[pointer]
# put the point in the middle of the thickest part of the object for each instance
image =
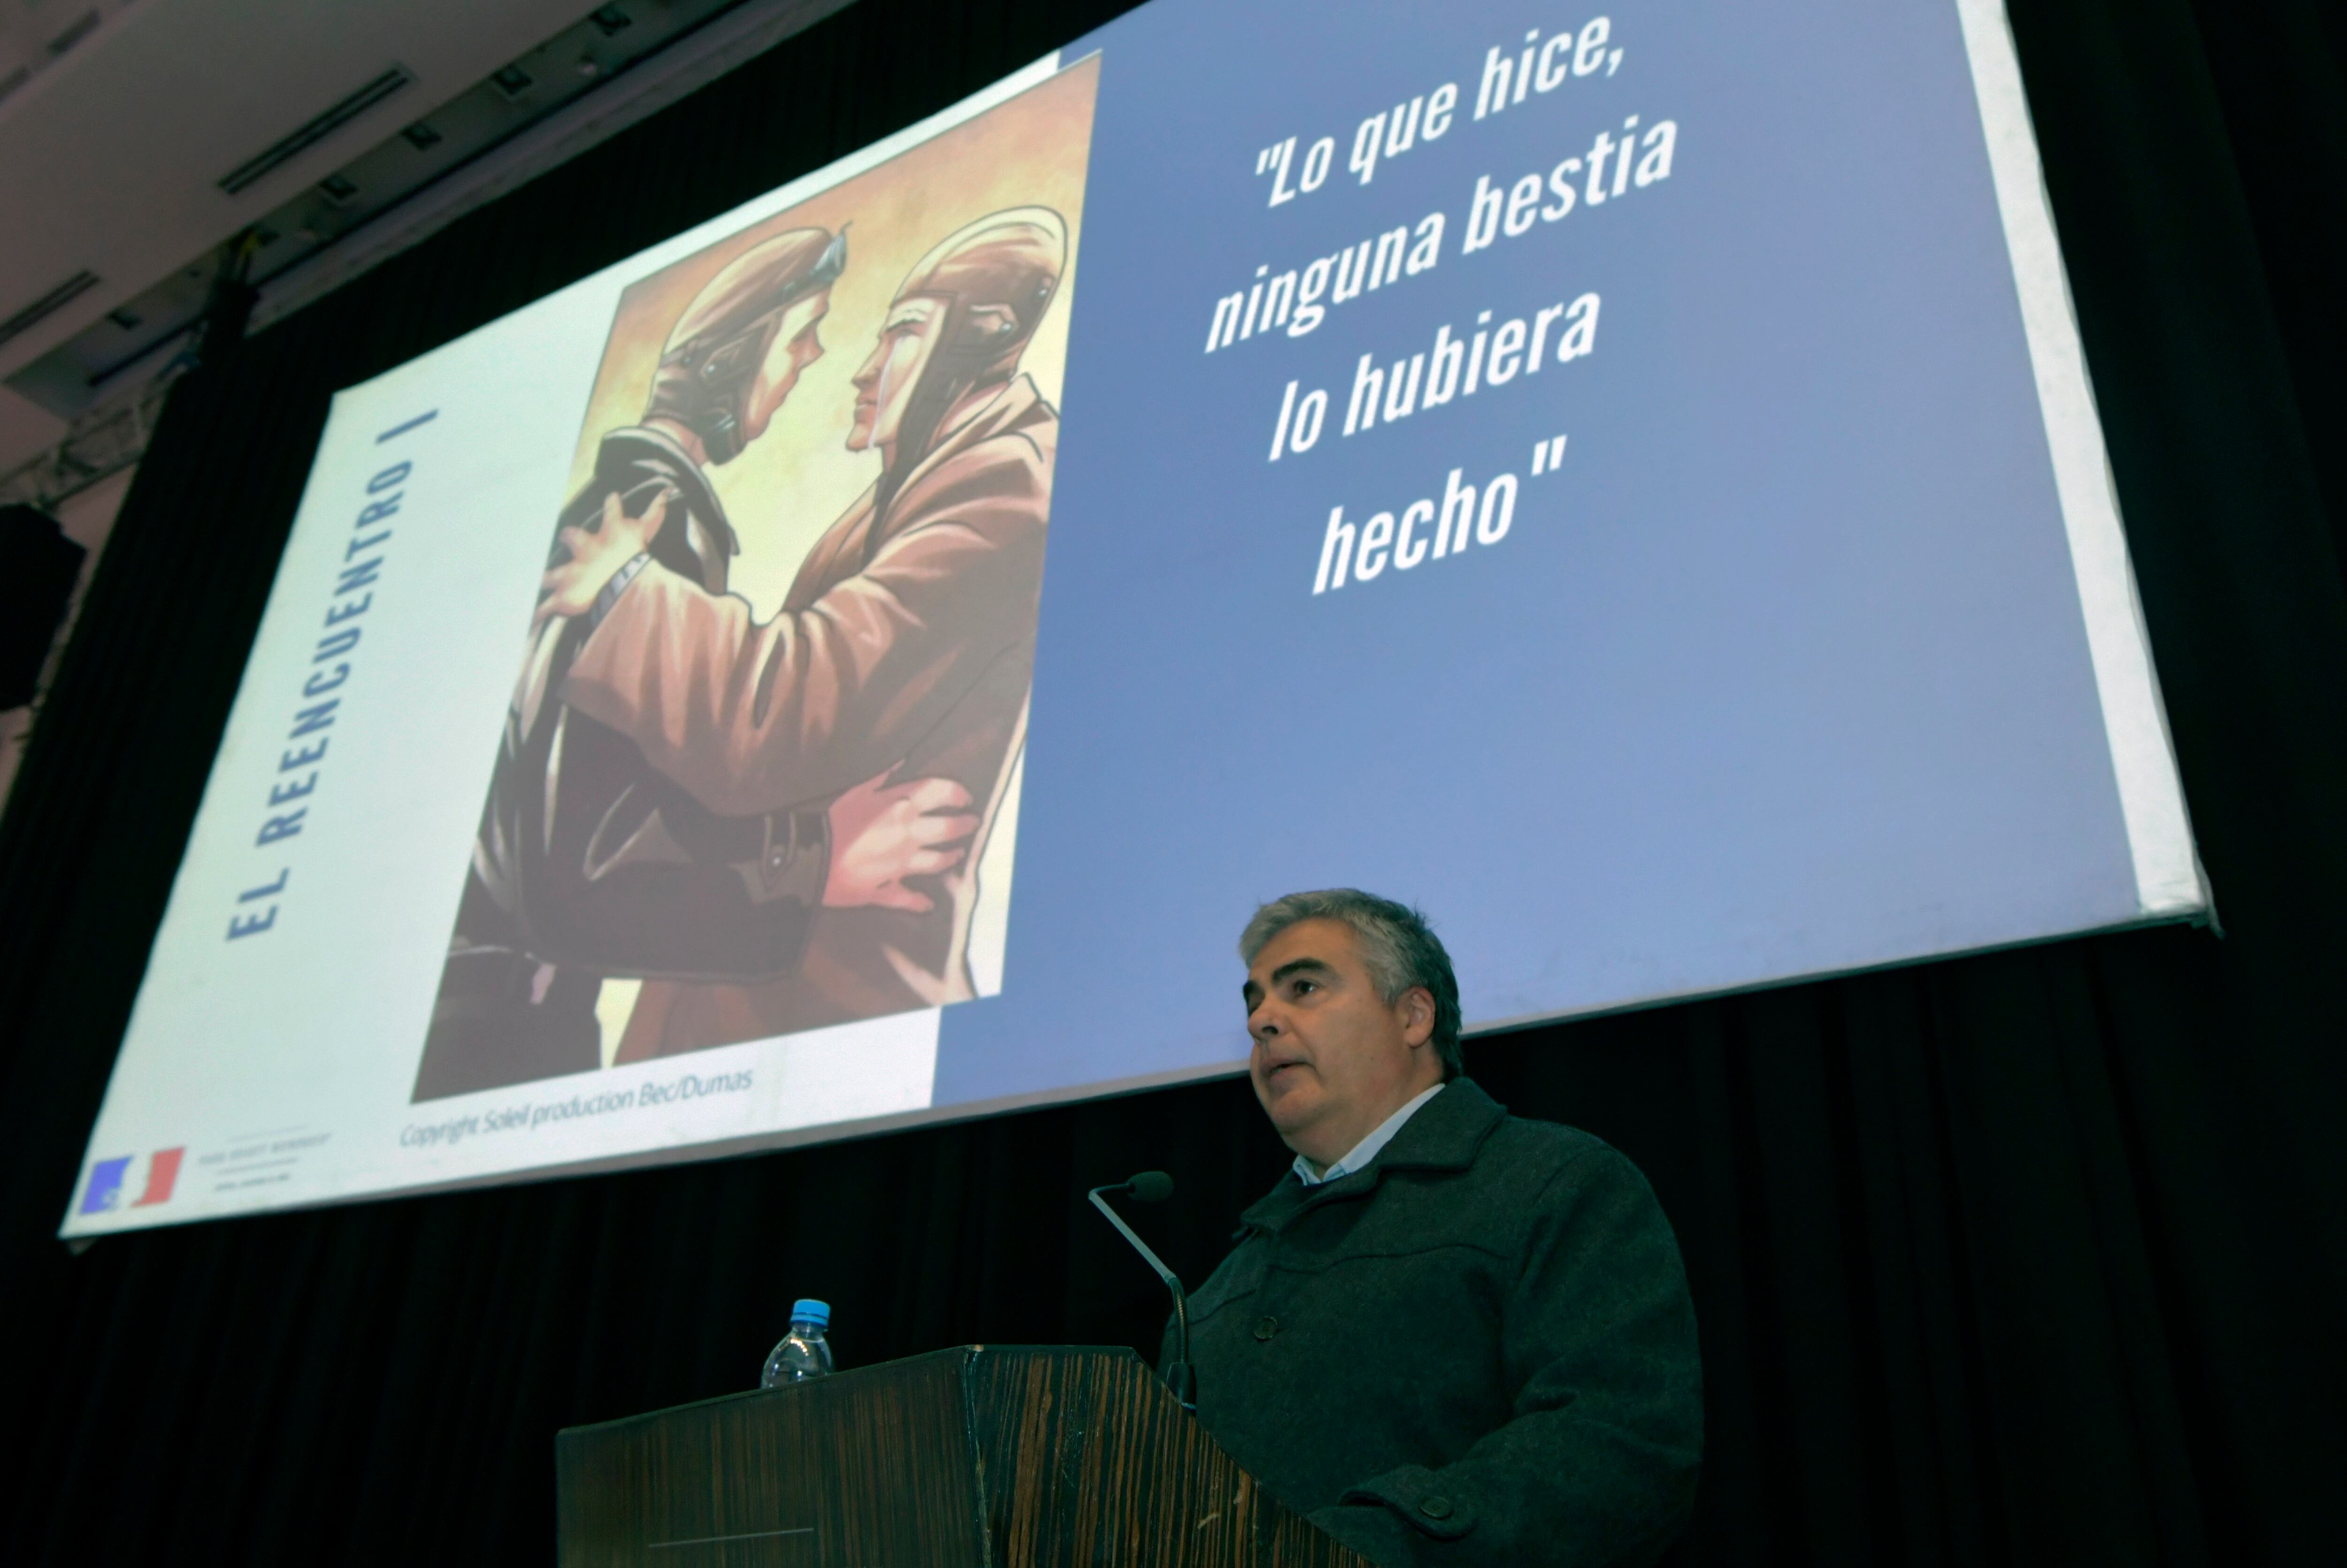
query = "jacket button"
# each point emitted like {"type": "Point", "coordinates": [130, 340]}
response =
{"type": "Point", "coordinates": [1264, 1328]}
{"type": "Point", "coordinates": [1436, 1508]}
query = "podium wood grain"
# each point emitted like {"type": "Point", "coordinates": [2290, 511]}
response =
{"type": "Point", "coordinates": [1004, 1457]}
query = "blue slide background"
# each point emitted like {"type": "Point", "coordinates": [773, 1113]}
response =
{"type": "Point", "coordinates": [1784, 672]}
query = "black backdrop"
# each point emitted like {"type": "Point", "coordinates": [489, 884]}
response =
{"type": "Point", "coordinates": [2031, 1257]}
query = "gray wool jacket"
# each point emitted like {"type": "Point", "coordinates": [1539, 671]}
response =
{"type": "Point", "coordinates": [1477, 1350]}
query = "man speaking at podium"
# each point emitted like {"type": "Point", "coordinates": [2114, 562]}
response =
{"type": "Point", "coordinates": [1451, 1336]}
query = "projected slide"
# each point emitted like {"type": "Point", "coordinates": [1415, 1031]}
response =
{"type": "Point", "coordinates": [1625, 480]}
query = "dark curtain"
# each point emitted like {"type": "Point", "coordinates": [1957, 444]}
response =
{"type": "Point", "coordinates": [2032, 1257]}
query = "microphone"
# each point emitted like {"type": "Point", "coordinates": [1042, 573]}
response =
{"type": "Point", "coordinates": [1155, 1187]}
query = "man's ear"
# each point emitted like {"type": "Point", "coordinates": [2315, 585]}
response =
{"type": "Point", "coordinates": [1416, 1009]}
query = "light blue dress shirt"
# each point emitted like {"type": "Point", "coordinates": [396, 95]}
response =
{"type": "Point", "coordinates": [1359, 1156]}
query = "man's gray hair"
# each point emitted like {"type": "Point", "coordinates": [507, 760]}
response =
{"type": "Point", "coordinates": [1400, 949]}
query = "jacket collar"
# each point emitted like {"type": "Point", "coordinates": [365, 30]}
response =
{"type": "Point", "coordinates": [860, 531]}
{"type": "Point", "coordinates": [984, 412]}
{"type": "Point", "coordinates": [1444, 1136]}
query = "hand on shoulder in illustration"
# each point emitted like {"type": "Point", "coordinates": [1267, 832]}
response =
{"type": "Point", "coordinates": [882, 834]}
{"type": "Point", "coordinates": [597, 558]}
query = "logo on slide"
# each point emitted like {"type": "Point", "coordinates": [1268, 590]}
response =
{"type": "Point", "coordinates": [108, 1178]}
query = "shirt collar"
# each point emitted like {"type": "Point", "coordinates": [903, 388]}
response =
{"type": "Point", "coordinates": [1446, 1135]}
{"type": "Point", "coordinates": [1359, 1156]}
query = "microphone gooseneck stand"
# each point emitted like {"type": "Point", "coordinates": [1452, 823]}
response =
{"type": "Point", "coordinates": [1155, 1187]}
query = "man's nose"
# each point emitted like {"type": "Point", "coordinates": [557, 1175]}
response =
{"type": "Point", "coordinates": [1262, 1022]}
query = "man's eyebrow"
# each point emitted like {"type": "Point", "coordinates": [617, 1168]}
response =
{"type": "Point", "coordinates": [1300, 967]}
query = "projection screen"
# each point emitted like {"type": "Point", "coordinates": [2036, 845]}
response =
{"type": "Point", "coordinates": [1626, 482]}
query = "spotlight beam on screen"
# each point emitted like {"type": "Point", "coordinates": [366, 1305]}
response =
{"type": "Point", "coordinates": [719, 707]}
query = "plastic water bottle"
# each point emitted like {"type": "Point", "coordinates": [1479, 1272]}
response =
{"type": "Point", "coordinates": [803, 1352]}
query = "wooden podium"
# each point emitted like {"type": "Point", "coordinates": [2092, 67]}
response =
{"type": "Point", "coordinates": [981, 1456]}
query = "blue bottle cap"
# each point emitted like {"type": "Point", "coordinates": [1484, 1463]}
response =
{"type": "Point", "coordinates": [815, 1312]}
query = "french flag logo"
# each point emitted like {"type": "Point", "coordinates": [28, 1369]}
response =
{"type": "Point", "coordinates": [109, 1178]}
